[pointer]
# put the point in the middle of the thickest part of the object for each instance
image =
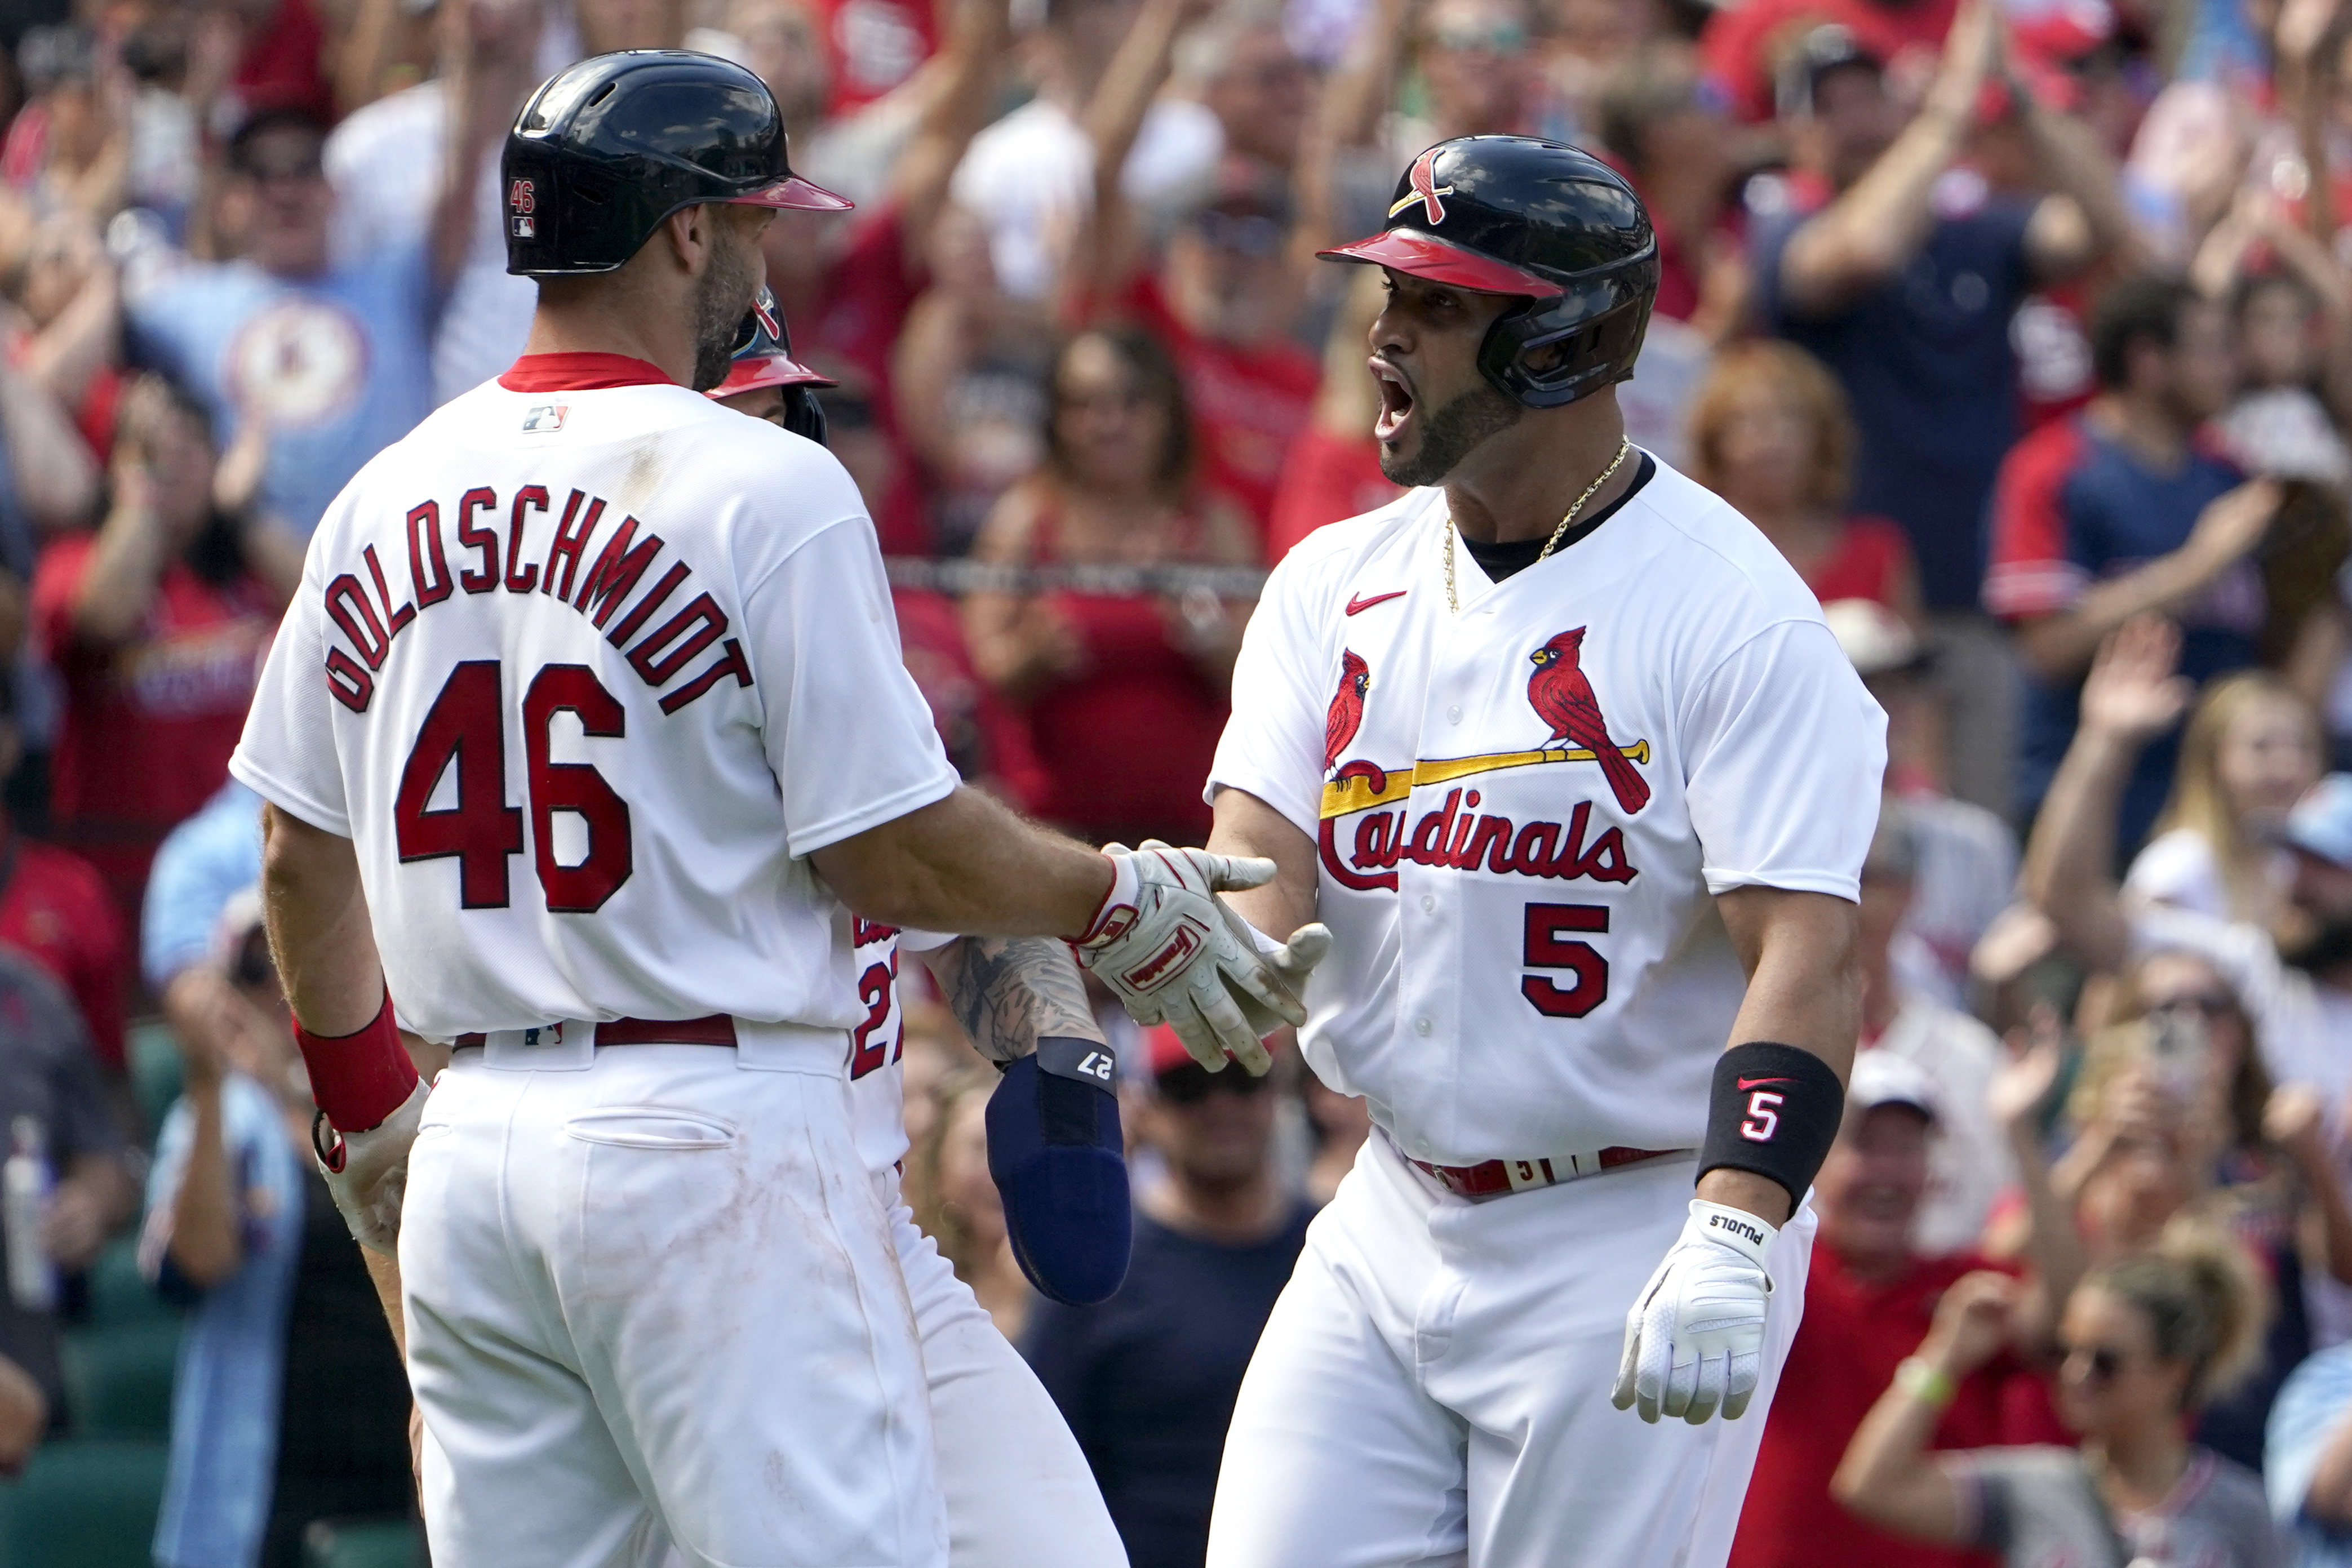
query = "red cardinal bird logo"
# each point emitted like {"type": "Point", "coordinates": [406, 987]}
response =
{"type": "Point", "coordinates": [1422, 176]}
{"type": "Point", "coordinates": [1563, 698]}
{"type": "Point", "coordinates": [1346, 710]}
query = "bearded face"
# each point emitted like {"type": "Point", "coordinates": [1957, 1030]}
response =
{"type": "Point", "coordinates": [1449, 435]}
{"type": "Point", "coordinates": [723, 294]}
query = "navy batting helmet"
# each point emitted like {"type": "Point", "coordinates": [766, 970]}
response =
{"type": "Point", "coordinates": [1514, 214]}
{"type": "Point", "coordinates": [605, 150]}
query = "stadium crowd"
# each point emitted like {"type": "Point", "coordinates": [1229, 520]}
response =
{"type": "Point", "coordinates": [2022, 328]}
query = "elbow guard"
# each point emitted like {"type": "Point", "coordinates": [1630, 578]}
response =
{"type": "Point", "coordinates": [1060, 1167]}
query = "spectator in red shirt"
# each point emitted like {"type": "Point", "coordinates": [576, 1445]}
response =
{"type": "Point", "coordinates": [55, 909]}
{"type": "Point", "coordinates": [1771, 434]}
{"type": "Point", "coordinates": [1125, 690]}
{"type": "Point", "coordinates": [1743, 46]}
{"type": "Point", "coordinates": [1226, 291]}
{"type": "Point", "coordinates": [155, 621]}
{"type": "Point", "coordinates": [1869, 1300]}
{"type": "Point", "coordinates": [1333, 469]}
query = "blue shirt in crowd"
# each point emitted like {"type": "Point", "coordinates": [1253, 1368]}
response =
{"type": "Point", "coordinates": [207, 861]}
{"type": "Point", "coordinates": [339, 364]}
{"type": "Point", "coordinates": [1926, 359]}
{"type": "Point", "coordinates": [2072, 506]}
{"type": "Point", "coordinates": [1148, 1379]}
{"type": "Point", "coordinates": [2316, 1400]}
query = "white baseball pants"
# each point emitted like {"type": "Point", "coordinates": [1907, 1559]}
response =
{"type": "Point", "coordinates": [655, 1301]}
{"type": "Point", "coordinates": [1433, 1387]}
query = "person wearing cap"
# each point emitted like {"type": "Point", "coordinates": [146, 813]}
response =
{"type": "Point", "coordinates": [1903, 282]}
{"type": "Point", "coordinates": [1221, 297]}
{"type": "Point", "coordinates": [2299, 999]}
{"type": "Point", "coordinates": [1147, 1379]}
{"type": "Point", "coordinates": [1970, 1163]}
{"type": "Point", "coordinates": [1965, 858]}
{"type": "Point", "coordinates": [1869, 1299]}
{"type": "Point", "coordinates": [331, 355]}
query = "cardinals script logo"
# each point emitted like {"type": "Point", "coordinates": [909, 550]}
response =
{"type": "Point", "coordinates": [1372, 805]}
{"type": "Point", "coordinates": [1423, 177]}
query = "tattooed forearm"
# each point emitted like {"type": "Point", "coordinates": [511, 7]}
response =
{"type": "Point", "coordinates": [1009, 991]}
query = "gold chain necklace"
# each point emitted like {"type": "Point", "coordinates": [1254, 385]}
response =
{"type": "Point", "coordinates": [1625, 447]}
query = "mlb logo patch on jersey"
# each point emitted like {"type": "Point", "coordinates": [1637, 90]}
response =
{"type": "Point", "coordinates": [544, 419]}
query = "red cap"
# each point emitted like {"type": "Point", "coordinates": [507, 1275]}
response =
{"type": "Point", "coordinates": [1164, 1051]}
{"type": "Point", "coordinates": [769, 370]}
{"type": "Point", "coordinates": [1426, 256]}
{"type": "Point", "coordinates": [795, 194]}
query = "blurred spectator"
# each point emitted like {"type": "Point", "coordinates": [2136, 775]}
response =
{"type": "Point", "coordinates": [871, 47]}
{"type": "Point", "coordinates": [1241, 64]}
{"type": "Point", "coordinates": [955, 1202]}
{"type": "Point", "coordinates": [1673, 141]}
{"type": "Point", "coordinates": [155, 623]}
{"type": "Point", "coordinates": [49, 1081]}
{"type": "Point", "coordinates": [2120, 510]}
{"type": "Point", "coordinates": [1333, 467]}
{"type": "Point", "coordinates": [1968, 1164]}
{"type": "Point", "coordinates": [1746, 46]}
{"type": "Point", "coordinates": [203, 864]}
{"type": "Point", "coordinates": [1965, 858]}
{"type": "Point", "coordinates": [399, 169]}
{"type": "Point", "coordinates": [1029, 175]}
{"type": "Point", "coordinates": [1870, 1294]}
{"type": "Point", "coordinates": [1900, 272]}
{"type": "Point", "coordinates": [1772, 435]}
{"type": "Point", "coordinates": [2251, 748]}
{"type": "Point", "coordinates": [70, 339]}
{"type": "Point", "coordinates": [2148, 1340]}
{"type": "Point", "coordinates": [55, 910]}
{"type": "Point", "coordinates": [68, 150]}
{"type": "Point", "coordinates": [1126, 692]}
{"type": "Point", "coordinates": [328, 357]}
{"type": "Point", "coordinates": [2307, 1462]}
{"type": "Point", "coordinates": [2293, 331]}
{"type": "Point", "coordinates": [1148, 1379]}
{"type": "Point", "coordinates": [2298, 1000]}
{"type": "Point", "coordinates": [23, 1416]}
{"type": "Point", "coordinates": [280, 53]}
{"type": "Point", "coordinates": [1223, 293]}
{"type": "Point", "coordinates": [290, 1404]}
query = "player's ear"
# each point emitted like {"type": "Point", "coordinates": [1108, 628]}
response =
{"type": "Point", "coordinates": [690, 232]}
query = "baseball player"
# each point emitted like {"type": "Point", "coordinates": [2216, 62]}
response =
{"type": "Point", "coordinates": [588, 708]}
{"type": "Point", "coordinates": [1017, 1490]}
{"type": "Point", "coordinates": [1562, 751]}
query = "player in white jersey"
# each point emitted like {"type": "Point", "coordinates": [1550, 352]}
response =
{"type": "Point", "coordinates": [1017, 1488]}
{"type": "Point", "coordinates": [1561, 750]}
{"type": "Point", "coordinates": [589, 705]}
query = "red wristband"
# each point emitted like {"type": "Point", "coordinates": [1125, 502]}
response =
{"type": "Point", "coordinates": [361, 1078]}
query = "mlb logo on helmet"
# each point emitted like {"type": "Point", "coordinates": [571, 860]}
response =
{"type": "Point", "coordinates": [522, 202]}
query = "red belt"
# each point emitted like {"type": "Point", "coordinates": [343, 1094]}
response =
{"type": "Point", "coordinates": [1495, 1177]}
{"type": "Point", "coordinates": [715, 1029]}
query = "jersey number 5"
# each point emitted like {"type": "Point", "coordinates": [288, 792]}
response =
{"type": "Point", "coordinates": [465, 733]}
{"type": "Point", "coordinates": [1546, 948]}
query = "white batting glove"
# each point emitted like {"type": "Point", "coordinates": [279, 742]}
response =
{"type": "Point", "coordinates": [1162, 942]}
{"type": "Point", "coordinates": [368, 1172]}
{"type": "Point", "coordinates": [1695, 1340]}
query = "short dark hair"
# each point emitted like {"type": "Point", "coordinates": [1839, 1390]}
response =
{"type": "Point", "coordinates": [1155, 378]}
{"type": "Point", "coordinates": [2135, 311]}
{"type": "Point", "coordinates": [262, 121]}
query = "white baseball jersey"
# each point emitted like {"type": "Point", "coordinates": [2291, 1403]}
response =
{"type": "Point", "coordinates": [1526, 958]}
{"type": "Point", "coordinates": [586, 675]}
{"type": "Point", "coordinates": [877, 1085]}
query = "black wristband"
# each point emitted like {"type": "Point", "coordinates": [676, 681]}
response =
{"type": "Point", "coordinates": [1775, 1112]}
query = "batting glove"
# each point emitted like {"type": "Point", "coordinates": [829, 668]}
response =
{"type": "Point", "coordinates": [1695, 1340]}
{"type": "Point", "coordinates": [367, 1172]}
{"type": "Point", "coordinates": [1173, 954]}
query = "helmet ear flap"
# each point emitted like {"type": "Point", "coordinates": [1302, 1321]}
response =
{"type": "Point", "coordinates": [1549, 353]}
{"type": "Point", "coordinates": [804, 414]}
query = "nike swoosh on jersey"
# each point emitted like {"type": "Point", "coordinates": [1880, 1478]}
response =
{"type": "Point", "coordinates": [1747, 1083]}
{"type": "Point", "coordinates": [1360, 603]}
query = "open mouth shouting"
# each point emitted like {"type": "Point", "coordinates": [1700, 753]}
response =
{"type": "Point", "coordinates": [1396, 401]}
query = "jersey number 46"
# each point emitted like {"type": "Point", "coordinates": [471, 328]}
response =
{"type": "Point", "coordinates": [465, 732]}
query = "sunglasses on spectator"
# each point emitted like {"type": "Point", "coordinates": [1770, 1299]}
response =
{"type": "Point", "coordinates": [2206, 1004]}
{"type": "Point", "coordinates": [2101, 1361]}
{"type": "Point", "coordinates": [1243, 233]}
{"type": "Point", "coordinates": [1503, 38]}
{"type": "Point", "coordinates": [1191, 1083]}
